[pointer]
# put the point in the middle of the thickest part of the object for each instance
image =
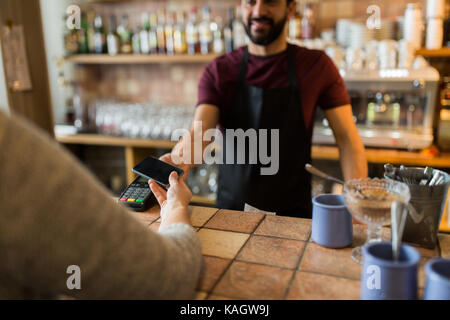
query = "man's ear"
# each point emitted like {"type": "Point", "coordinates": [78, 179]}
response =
{"type": "Point", "coordinates": [292, 9]}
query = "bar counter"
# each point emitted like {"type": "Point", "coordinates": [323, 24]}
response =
{"type": "Point", "coordinates": [256, 256]}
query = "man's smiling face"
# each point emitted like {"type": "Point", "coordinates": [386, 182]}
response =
{"type": "Point", "coordinates": [264, 20]}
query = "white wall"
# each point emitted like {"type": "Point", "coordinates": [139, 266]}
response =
{"type": "Point", "coordinates": [4, 106]}
{"type": "Point", "coordinates": [53, 12]}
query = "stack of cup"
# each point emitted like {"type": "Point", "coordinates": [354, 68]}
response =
{"type": "Point", "coordinates": [435, 24]}
{"type": "Point", "coordinates": [387, 54]}
{"type": "Point", "coordinates": [413, 25]}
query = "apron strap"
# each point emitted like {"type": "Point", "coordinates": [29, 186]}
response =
{"type": "Point", "coordinates": [243, 68]}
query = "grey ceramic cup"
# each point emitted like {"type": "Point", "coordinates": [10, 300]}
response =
{"type": "Point", "coordinates": [438, 279]}
{"type": "Point", "coordinates": [332, 225]}
{"type": "Point", "coordinates": [382, 278]}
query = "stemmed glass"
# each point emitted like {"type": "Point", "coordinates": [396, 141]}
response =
{"type": "Point", "coordinates": [369, 201]}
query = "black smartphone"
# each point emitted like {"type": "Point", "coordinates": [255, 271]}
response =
{"type": "Point", "coordinates": [155, 169]}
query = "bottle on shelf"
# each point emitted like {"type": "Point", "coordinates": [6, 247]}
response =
{"type": "Point", "coordinates": [161, 31]}
{"type": "Point", "coordinates": [228, 31]}
{"type": "Point", "coordinates": [168, 33]}
{"type": "Point", "coordinates": [70, 40]}
{"type": "Point", "coordinates": [90, 32]}
{"type": "Point", "coordinates": [144, 34]}
{"type": "Point", "coordinates": [308, 22]}
{"type": "Point", "coordinates": [179, 35]}
{"type": "Point", "coordinates": [135, 40]}
{"type": "Point", "coordinates": [216, 28]}
{"type": "Point", "coordinates": [99, 36]}
{"type": "Point", "coordinates": [295, 26]}
{"type": "Point", "coordinates": [205, 32]}
{"type": "Point", "coordinates": [192, 37]}
{"type": "Point", "coordinates": [240, 38]}
{"type": "Point", "coordinates": [125, 35]}
{"type": "Point", "coordinates": [152, 34]}
{"type": "Point", "coordinates": [113, 39]}
{"type": "Point", "coordinates": [82, 35]}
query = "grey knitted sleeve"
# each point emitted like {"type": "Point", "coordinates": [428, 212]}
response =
{"type": "Point", "coordinates": [54, 214]}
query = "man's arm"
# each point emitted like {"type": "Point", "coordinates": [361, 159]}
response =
{"type": "Point", "coordinates": [208, 116]}
{"type": "Point", "coordinates": [351, 150]}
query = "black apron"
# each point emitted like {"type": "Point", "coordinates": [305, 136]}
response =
{"type": "Point", "coordinates": [288, 192]}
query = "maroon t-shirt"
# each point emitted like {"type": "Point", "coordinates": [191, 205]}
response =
{"type": "Point", "coordinates": [318, 78]}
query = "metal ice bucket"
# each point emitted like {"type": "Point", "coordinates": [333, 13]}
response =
{"type": "Point", "coordinates": [425, 207]}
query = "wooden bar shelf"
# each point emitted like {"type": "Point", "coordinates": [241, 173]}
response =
{"type": "Point", "coordinates": [379, 156]}
{"type": "Point", "coordinates": [443, 52]}
{"type": "Point", "coordinates": [139, 59]}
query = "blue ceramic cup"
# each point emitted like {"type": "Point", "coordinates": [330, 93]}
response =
{"type": "Point", "coordinates": [331, 222]}
{"type": "Point", "coordinates": [438, 279]}
{"type": "Point", "coordinates": [382, 278]}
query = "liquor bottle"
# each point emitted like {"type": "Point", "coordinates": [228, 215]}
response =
{"type": "Point", "coordinates": [179, 35]}
{"type": "Point", "coordinates": [161, 31]}
{"type": "Point", "coordinates": [216, 28]}
{"type": "Point", "coordinates": [136, 41]}
{"type": "Point", "coordinates": [239, 35]}
{"type": "Point", "coordinates": [144, 34]}
{"type": "Point", "coordinates": [91, 31]}
{"type": "Point", "coordinates": [99, 36]}
{"type": "Point", "coordinates": [168, 33]}
{"type": "Point", "coordinates": [82, 35]}
{"type": "Point", "coordinates": [295, 27]}
{"type": "Point", "coordinates": [113, 39]}
{"type": "Point", "coordinates": [192, 37]}
{"type": "Point", "coordinates": [205, 32]}
{"type": "Point", "coordinates": [70, 40]}
{"type": "Point", "coordinates": [125, 35]}
{"type": "Point", "coordinates": [152, 34]}
{"type": "Point", "coordinates": [228, 31]}
{"type": "Point", "coordinates": [308, 23]}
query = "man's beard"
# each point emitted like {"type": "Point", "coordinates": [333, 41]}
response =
{"type": "Point", "coordinates": [274, 33]}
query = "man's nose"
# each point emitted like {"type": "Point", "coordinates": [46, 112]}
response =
{"type": "Point", "coordinates": [259, 9]}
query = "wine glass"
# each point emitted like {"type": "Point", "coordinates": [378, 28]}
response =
{"type": "Point", "coordinates": [373, 206]}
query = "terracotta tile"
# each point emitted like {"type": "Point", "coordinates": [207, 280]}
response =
{"type": "Point", "coordinates": [272, 251]}
{"type": "Point", "coordinates": [200, 215]}
{"type": "Point", "coordinates": [235, 221]}
{"type": "Point", "coordinates": [251, 281]}
{"type": "Point", "coordinates": [312, 286]}
{"type": "Point", "coordinates": [335, 262]}
{"type": "Point", "coordinates": [200, 295]}
{"type": "Point", "coordinates": [212, 269]}
{"type": "Point", "coordinates": [222, 244]}
{"type": "Point", "coordinates": [145, 217]}
{"type": "Point", "coordinates": [444, 242]}
{"type": "Point", "coordinates": [285, 227]}
{"type": "Point", "coordinates": [155, 226]}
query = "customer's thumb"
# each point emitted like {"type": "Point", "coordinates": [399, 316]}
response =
{"type": "Point", "coordinates": [173, 178]}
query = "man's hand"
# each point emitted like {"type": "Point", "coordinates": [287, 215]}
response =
{"type": "Point", "coordinates": [174, 202]}
{"type": "Point", "coordinates": [185, 167]}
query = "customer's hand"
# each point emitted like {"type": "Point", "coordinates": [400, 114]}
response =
{"type": "Point", "coordinates": [174, 202]}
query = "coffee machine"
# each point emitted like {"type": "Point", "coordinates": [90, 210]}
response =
{"type": "Point", "coordinates": [392, 108]}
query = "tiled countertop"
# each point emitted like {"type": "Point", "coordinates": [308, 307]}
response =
{"type": "Point", "coordinates": [254, 256]}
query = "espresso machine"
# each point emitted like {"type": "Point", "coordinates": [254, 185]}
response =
{"type": "Point", "coordinates": [392, 108]}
